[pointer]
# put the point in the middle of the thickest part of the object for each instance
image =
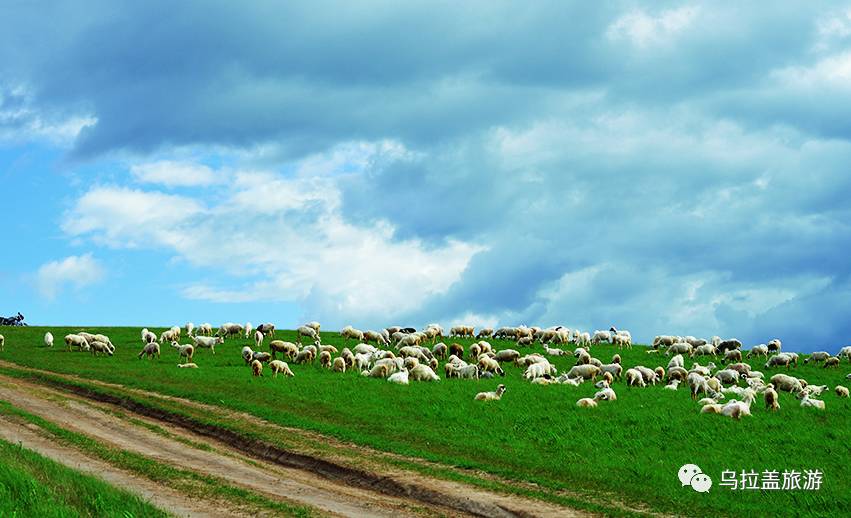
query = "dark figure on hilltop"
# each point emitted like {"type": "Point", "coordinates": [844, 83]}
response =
{"type": "Point", "coordinates": [17, 320]}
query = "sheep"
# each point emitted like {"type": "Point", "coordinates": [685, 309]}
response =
{"type": "Point", "coordinates": [608, 378]}
{"type": "Point", "coordinates": [695, 342]}
{"type": "Point", "coordinates": [554, 352]}
{"type": "Point", "coordinates": [205, 329]}
{"type": "Point", "coordinates": [539, 370]}
{"type": "Point", "coordinates": [806, 402]}
{"type": "Point", "coordinates": [485, 332]}
{"type": "Point", "coordinates": [249, 328]}
{"type": "Point", "coordinates": [725, 345]}
{"type": "Point", "coordinates": [733, 355]}
{"type": "Point", "coordinates": [679, 348]}
{"type": "Point", "coordinates": [308, 332]}
{"type": "Point", "coordinates": [184, 351]}
{"type": "Point", "coordinates": [817, 356]}
{"type": "Point", "coordinates": [786, 383]}
{"type": "Point", "coordinates": [583, 339]}
{"type": "Point", "coordinates": [664, 341]}
{"type": "Point", "coordinates": [601, 337]}
{"type": "Point", "coordinates": [771, 398]}
{"type": "Point", "coordinates": [411, 362]}
{"type": "Point", "coordinates": [774, 346]}
{"type": "Point", "coordinates": [267, 328]}
{"type": "Point", "coordinates": [350, 332]}
{"type": "Point", "coordinates": [247, 352]}
{"type": "Point", "coordinates": [491, 396]}
{"type": "Point", "coordinates": [622, 340]}
{"type": "Point", "coordinates": [48, 339]}
{"type": "Point", "coordinates": [325, 359]}
{"type": "Point", "coordinates": [728, 376]}
{"type": "Point", "coordinates": [72, 339]}
{"type": "Point", "coordinates": [711, 408]}
{"type": "Point", "coordinates": [256, 368]}
{"type": "Point", "coordinates": [841, 391]}
{"type": "Point", "coordinates": [305, 356]}
{"type": "Point", "coordinates": [150, 350]}
{"type": "Point", "coordinates": [758, 350]}
{"type": "Point", "coordinates": [736, 409]}
{"type": "Point", "coordinates": [440, 350]}
{"type": "Point", "coordinates": [278, 366]}
{"type": "Point", "coordinates": [704, 350]}
{"type": "Point", "coordinates": [375, 336]}
{"type": "Point", "coordinates": [607, 394]}
{"type": "Point", "coordinates": [586, 403]}
{"type": "Point", "coordinates": [672, 385]}
{"type": "Point", "coordinates": [845, 352]}
{"type": "Point", "coordinates": [779, 359]}
{"type": "Point", "coordinates": [467, 371]}
{"type": "Point", "coordinates": [814, 390]}
{"type": "Point", "coordinates": [207, 342]}
{"type": "Point", "coordinates": [487, 364]}
{"type": "Point", "coordinates": [584, 371]}
{"type": "Point", "coordinates": [377, 371]}
{"type": "Point", "coordinates": [288, 349]}
{"type": "Point", "coordinates": [400, 378]}
{"type": "Point", "coordinates": [523, 341]}
{"type": "Point", "coordinates": [424, 373]}
{"type": "Point", "coordinates": [170, 335]}
{"type": "Point", "coordinates": [649, 376]}
{"type": "Point", "coordinates": [699, 384]}
{"type": "Point", "coordinates": [676, 361]}
{"type": "Point", "coordinates": [833, 361]}
{"type": "Point", "coordinates": [148, 337]}
{"type": "Point", "coordinates": [741, 368]}
{"type": "Point", "coordinates": [456, 349]}
{"type": "Point", "coordinates": [100, 347]}
{"type": "Point", "coordinates": [634, 378]}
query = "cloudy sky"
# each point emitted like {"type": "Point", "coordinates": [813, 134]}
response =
{"type": "Point", "coordinates": [664, 167]}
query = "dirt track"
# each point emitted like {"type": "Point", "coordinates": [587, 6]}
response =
{"type": "Point", "coordinates": [302, 486]}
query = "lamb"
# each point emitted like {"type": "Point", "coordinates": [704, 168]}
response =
{"type": "Point", "coordinates": [758, 350]}
{"type": "Point", "coordinates": [256, 368]}
{"type": "Point", "coordinates": [308, 332]}
{"type": "Point", "coordinates": [771, 398]}
{"type": "Point", "coordinates": [148, 337]}
{"type": "Point", "coordinates": [207, 342]}
{"type": "Point", "coordinates": [278, 366]}
{"type": "Point", "coordinates": [833, 361]}
{"type": "Point", "coordinates": [487, 364]}
{"type": "Point", "coordinates": [184, 351]}
{"type": "Point", "coordinates": [72, 339]}
{"type": "Point", "coordinates": [786, 383]}
{"type": "Point", "coordinates": [806, 402]}
{"type": "Point", "coordinates": [424, 373]}
{"type": "Point", "coordinates": [586, 403]}
{"type": "Point", "coordinates": [150, 350]}
{"type": "Point", "coordinates": [491, 396]}
{"type": "Point", "coordinates": [187, 365]}
{"type": "Point", "coordinates": [288, 349]}
{"type": "Point", "coordinates": [584, 371]}
{"type": "Point", "coordinates": [400, 378]}
{"type": "Point", "coordinates": [841, 391]}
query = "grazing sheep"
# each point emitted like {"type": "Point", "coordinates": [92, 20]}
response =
{"type": "Point", "coordinates": [622, 340]}
{"type": "Point", "coordinates": [207, 342]}
{"type": "Point", "coordinates": [487, 364]}
{"type": "Point", "coordinates": [267, 328]}
{"type": "Point", "coordinates": [440, 350]}
{"type": "Point", "coordinates": [679, 348]}
{"type": "Point", "coordinates": [350, 332]}
{"type": "Point", "coordinates": [325, 359]}
{"type": "Point", "coordinates": [733, 355]}
{"type": "Point", "coordinates": [586, 403]}
{"type": "Point", "coordinates": [339, 364]}
{"type": "Point", "coordinates": [456, 349]}
{"type": "Point", "coordinates": [758, 350]}
{"type": "Point", "coordinates": [584, 371]}
{"type": "Point", "coordinates": [539, 370]}
{"type": "Point", "coordinates": [485, 332]}
{"type": "Point", "coordinates": [278, 366]}
{"type": "Point", "coordinates": [711, 408]}
{"type": "Point", "coordinates": [184, 351]}
{"type": "Point", "coordinates": [841, 391]}
{"type": "Point", "coordinates": [664, 341]}
{"type": "Point", "coordinates": [601, 337]}
{"type": "Point", "coordinates": [170, 335]}
{"type": "Point", "coordinates": [616, 358]}
{"type": "Point", "coordinates": [190, 329]}
{"type": "Point", "coordinates": [305, 356]}
{"type": "Point", "coordinates": [205, 329]}
{"type": "Point", "coordinates": [257, 368]}
{"type": "Point", "coordinates": [672, 385]}
{"type": "Point", "coordinates": [772, 400]}
{"type": "Point", "coordinates": [467, 371]}
{"type": "Point", "coordinates": [612, 369]}
{"type": "Point", "coordinates": [248, 329]}
{"type": "Point", "coordinates": [806, 402]}
{"type": "Point", "coordinates": [48, 339]}
{"type": "Point", "coordinates": [786, 383]}
{"type": "Point", "coordinates": [608, 378]}
{"type": "Point", "coordinates": [698, 384]}
{"type": "Point", "coordinates": [704, 350]}
{"type": "Point", "coordinates": [833, 361]}
{"type": "Point", "coordinates": [845, 352]}
{"type": "Point", "coordinates": [725, 345]}
{"type": "Point", "coordinates": [308, 332]}
{"type": "Point", "coordinates": [378, 371]}
{"type": "Point", "coordinates": [728, 376]}
{"type": "Point", "coordinates": [424, 372]}
{"type": "Point", "coordinates": [741, 368]}
{"type": "Point", "coordinates": [676, 361]}
{"type": "Point", "coordinates": [150, 350]}
{"type": "Point", "coordinates": [374, 336]}
{"type": "Point", "coordinates": [491, 396]}
{"type": "Point", "coordinates": [778, 360]}
{"type": "Point", "coordinates": [70, 340]}
{"type": "Point", "coordinates": [288, 349]}
{"type": "Point", "coordinates": [258, 339]}
{"type": "Point", "coordinates": [100, 347]}
{"type": "Point", "coordinates": [400, 378]}
{"type": "Point", "coordinates": [818, 356]}
{"type": "Point", "coordinates": [736, 409]}
{"type": "Point", "coordinates": [507, 355]}
{"type": "Point", "coordinates": [148, 337]}
{"type": "Point", "coordinates": [774, 346]}
{"type": "Point", "coordinates": [247, 352]}
{"type": "Point", "coordinates": [634, 378]}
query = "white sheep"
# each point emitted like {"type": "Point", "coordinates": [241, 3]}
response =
{"type": "Point", "coordinates": [258, 339]}
{"type": "Point", "coordinates": [48, 339]}
{"type": "Point", "coordinates": [841, 391]}
{"type": "Point", "coordinates": [586, 402]}
{"type": "Point", "coordinates": [150, 349]}
{"type": "Point", "coordinates": [401, 378]}
{"type": "Point", "coordinates": [72, 340]}
{"type": "Point", "coordinates": [806, 402]}
{"type": "Point", "coordinates": [184, 351]}
{"type": "Point", "coordinates": [672, 385]}
{"type": "Point", "coordinates": [350, 332]}
{"type": "Point", "coordinates": [148, 336]}
{"type": "Point", "coordinates": [248, 329]}
{"type": "Point", "coordinates": [187, 366]}
{"type": "Point", "coordinates": [278, 366]}
{"type": "Point", "coordinates": [190, 329]}
{"type": "Point", "coordinates": [758, 350]}
{"type": "Point", "coordinates": [491, 396]}
{"type": "Point", "coordinates": [205, 329]}
{"type": "Point", "coordinates": [423, 373]}
{"type": "Point", "coordinates": [308, 332]}
{"type": "Point", "coordinates": [207, 342]}
{"type": "Point", "coordinates": [845, 352]}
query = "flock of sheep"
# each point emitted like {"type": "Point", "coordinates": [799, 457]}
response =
{"type": "Point", "coordinates": [401, 355]}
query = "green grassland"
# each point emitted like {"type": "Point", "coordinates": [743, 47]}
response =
{"type": "Point", "coordinates": [32, 485]}
{"type": "Point", "coordinates": [631, 448]}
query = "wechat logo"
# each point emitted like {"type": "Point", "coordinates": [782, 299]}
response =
{"type": "Point", "coordinates": [691, 475]}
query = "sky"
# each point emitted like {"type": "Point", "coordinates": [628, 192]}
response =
{"type": "Point", "coordinates": [664, 167]}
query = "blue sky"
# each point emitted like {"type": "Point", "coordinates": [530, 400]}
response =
{"type": "Point", "coordinates": [665, 167]}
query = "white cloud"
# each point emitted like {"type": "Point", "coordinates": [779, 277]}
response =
{"type": "Point", "coordinates": [644, 30]}
{"type": "Point", "coordinates": [283, 238]}
{"type": "Point", "coordinates": [831, 71]}
{"type": "Point", "coordinates": [20, 120]}
{"type": "Point", "coordinates": [78, 271]}
{"type": "Point", "coordinates": [175, 174]}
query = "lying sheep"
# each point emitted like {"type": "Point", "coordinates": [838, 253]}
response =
{"type": "Point", "coordinates": [187, 366]}
{"type": "Point", "coordinates": [48, 339]}
{"type": "Point", "coordinates": [150, 350]}
{"type": "Point", "coordinates": [586, 403]}
{"type": "Point", "coordinates": [401, 378]}
{"type": "Point", "coordinates": [256, 368]}
{"type": "Point", "coordinates": [607, 394]}
{"type": "Point", "coordinates": [423, 373]}
{"type": "Point", "coordinates": [491, 396]}
{"type": "Point", "coordinates": [841, 391]}
{"type": "Point", "coordinates": [278, 366]}
{"type": "Point", "coordinates": [807, 402]}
